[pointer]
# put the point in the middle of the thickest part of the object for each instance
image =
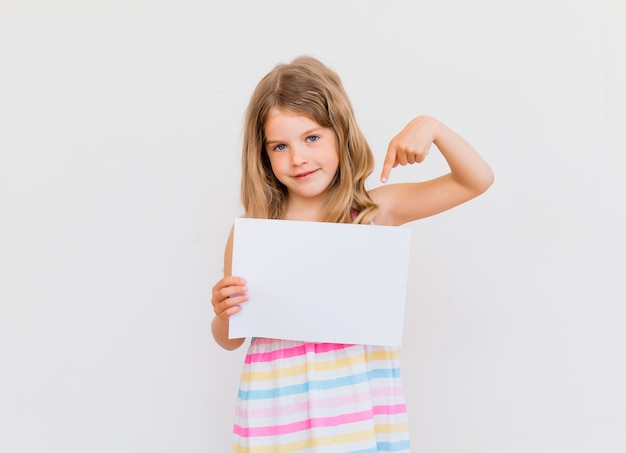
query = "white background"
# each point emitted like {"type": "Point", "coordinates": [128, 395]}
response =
{"type": "Point", "coordinates": [120, 134]}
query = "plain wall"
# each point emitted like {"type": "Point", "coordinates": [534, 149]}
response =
{"type": "Point", "coordinates": [120, 134]}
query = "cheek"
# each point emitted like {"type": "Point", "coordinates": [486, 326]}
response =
{"type": "Point", "coordinates": [335, 160]}
{"type": "Point", "coordinates": [269, 157]}
{"type": "Point", "coordinates": [277, 165]}
{"type": "Point", "coordinates": [336, 153]}
{"type": "Point", "coordinates": [274, 162]}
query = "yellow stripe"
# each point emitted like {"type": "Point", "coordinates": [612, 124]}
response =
{"type": "Point", "coordinates": [318, 366]}
{"type": "Point", "coordinates": [392, 429]}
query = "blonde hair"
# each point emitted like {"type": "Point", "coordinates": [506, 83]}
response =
{"type": "Point", "coordinates": [306, 86]}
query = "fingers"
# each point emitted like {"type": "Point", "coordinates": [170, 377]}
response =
{"type": "Point", "coordinates": [417, 156]}
{"type": "Point", "coordinates": [399, 154]}
{"type": "Point", "coordinates": [411, 145]}
{"type": "Point", "coordinates": [389, 163]}
{"type": "Point", "coordinates": [227, 295]}
{"type": "Point", "coordinates": [228, 285]}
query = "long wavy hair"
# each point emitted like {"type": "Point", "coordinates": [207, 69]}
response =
{"type": "Point", "coordinates": [308, 87]}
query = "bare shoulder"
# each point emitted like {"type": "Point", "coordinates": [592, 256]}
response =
{"type": "Point", "coordinates": [381, 196]}
{"type": "Point", "coordinates": [406, 202]}
{"type": "Point", "coordinates": [397, 203]}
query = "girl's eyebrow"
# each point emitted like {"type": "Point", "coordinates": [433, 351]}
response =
{"type": "Point", "coordinates": [304, 134]}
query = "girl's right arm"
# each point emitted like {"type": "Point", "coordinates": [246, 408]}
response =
{"type": "Point", "coordinates": [227, 294]}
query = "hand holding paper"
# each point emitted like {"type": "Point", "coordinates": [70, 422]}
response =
{"type": "Point", "coordinates": [227, 294]}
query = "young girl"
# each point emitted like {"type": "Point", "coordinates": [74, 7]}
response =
{"type": "Point", "coordinates": [304, 158]}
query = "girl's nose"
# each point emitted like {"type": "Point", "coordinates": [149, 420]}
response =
{"type": "Point", "coordinates": [298, 156]}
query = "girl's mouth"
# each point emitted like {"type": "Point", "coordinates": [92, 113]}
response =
{"type": "Point", "coordinates": [305, 175]}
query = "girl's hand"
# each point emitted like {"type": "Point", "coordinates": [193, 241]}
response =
{"type": "Point", "coordinates": [411, 145]}
{"type": "Point", "coordinates": [227, 296]}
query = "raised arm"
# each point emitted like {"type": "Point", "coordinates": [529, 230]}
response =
{"type": "Point", "coordinates": [469, 174]}
{"type": "Point", "coordinates": [226, 296]}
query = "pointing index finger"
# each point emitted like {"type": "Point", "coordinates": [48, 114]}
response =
{"type": "Point", "coordinates": [390, 162]}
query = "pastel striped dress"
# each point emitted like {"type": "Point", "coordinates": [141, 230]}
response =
{"type": "Point", "coordinates": [320, 398]}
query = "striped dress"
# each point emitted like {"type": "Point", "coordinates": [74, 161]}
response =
{"type": "Point", "coordinates": [320, 398]}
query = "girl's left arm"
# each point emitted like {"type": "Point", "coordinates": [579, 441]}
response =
{"type": "Point", "coordinates": [469, 174]}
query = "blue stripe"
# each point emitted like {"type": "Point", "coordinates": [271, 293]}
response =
{"type": "Point", "coordinates": [402, 445]}
{"type": "Point", "coordinates": [318, 385]}
{"type": "Point", "coordinates": [394, 446]}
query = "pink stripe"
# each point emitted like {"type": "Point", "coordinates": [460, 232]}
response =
{"type": "Point", "coordinates": [271, 411]}
{"type": "Point", "coordinates": [312, 406]}
{"type": "Point", "coordinates": [302, 425]}
{"type": "Point", "coordinates": [294, 351]}
{"type": "Point", "coordinates": [375, 393]}
{"type": "Point", "coordinates": [339, 401]}
{"type": "Point", "coordinates": [390, 410]}
{"type": "Point", "coordinates": [386, 392]}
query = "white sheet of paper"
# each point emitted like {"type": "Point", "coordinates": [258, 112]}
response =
{"type": "Point", "coordinates": [321, 282]}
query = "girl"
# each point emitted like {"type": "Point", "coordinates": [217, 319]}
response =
{"type": "Point", "coordinates": [304, 158]}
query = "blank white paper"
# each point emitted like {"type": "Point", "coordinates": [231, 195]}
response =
{"type": "Point", "coordinates": [321, 282]}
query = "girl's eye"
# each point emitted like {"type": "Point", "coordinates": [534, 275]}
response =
{"type": "Point", "coordinates": [312, 138]}
{"type": "Point", "coordinates": [280, 147]}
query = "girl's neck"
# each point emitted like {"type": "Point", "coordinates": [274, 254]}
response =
{"type": "Point", "coordinates": [304, 211]}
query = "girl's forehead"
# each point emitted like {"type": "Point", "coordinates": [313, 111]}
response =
{"type": "Point", "coordinates": [280, 111]}
{"type": "Point", "coordinates": [278, 119]}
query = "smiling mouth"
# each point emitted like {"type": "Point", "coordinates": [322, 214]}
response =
{"type": "Point", "coordinates": [305, 174]}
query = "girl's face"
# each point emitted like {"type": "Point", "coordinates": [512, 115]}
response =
{"type": "Point", "coordinates": [302, 153]}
